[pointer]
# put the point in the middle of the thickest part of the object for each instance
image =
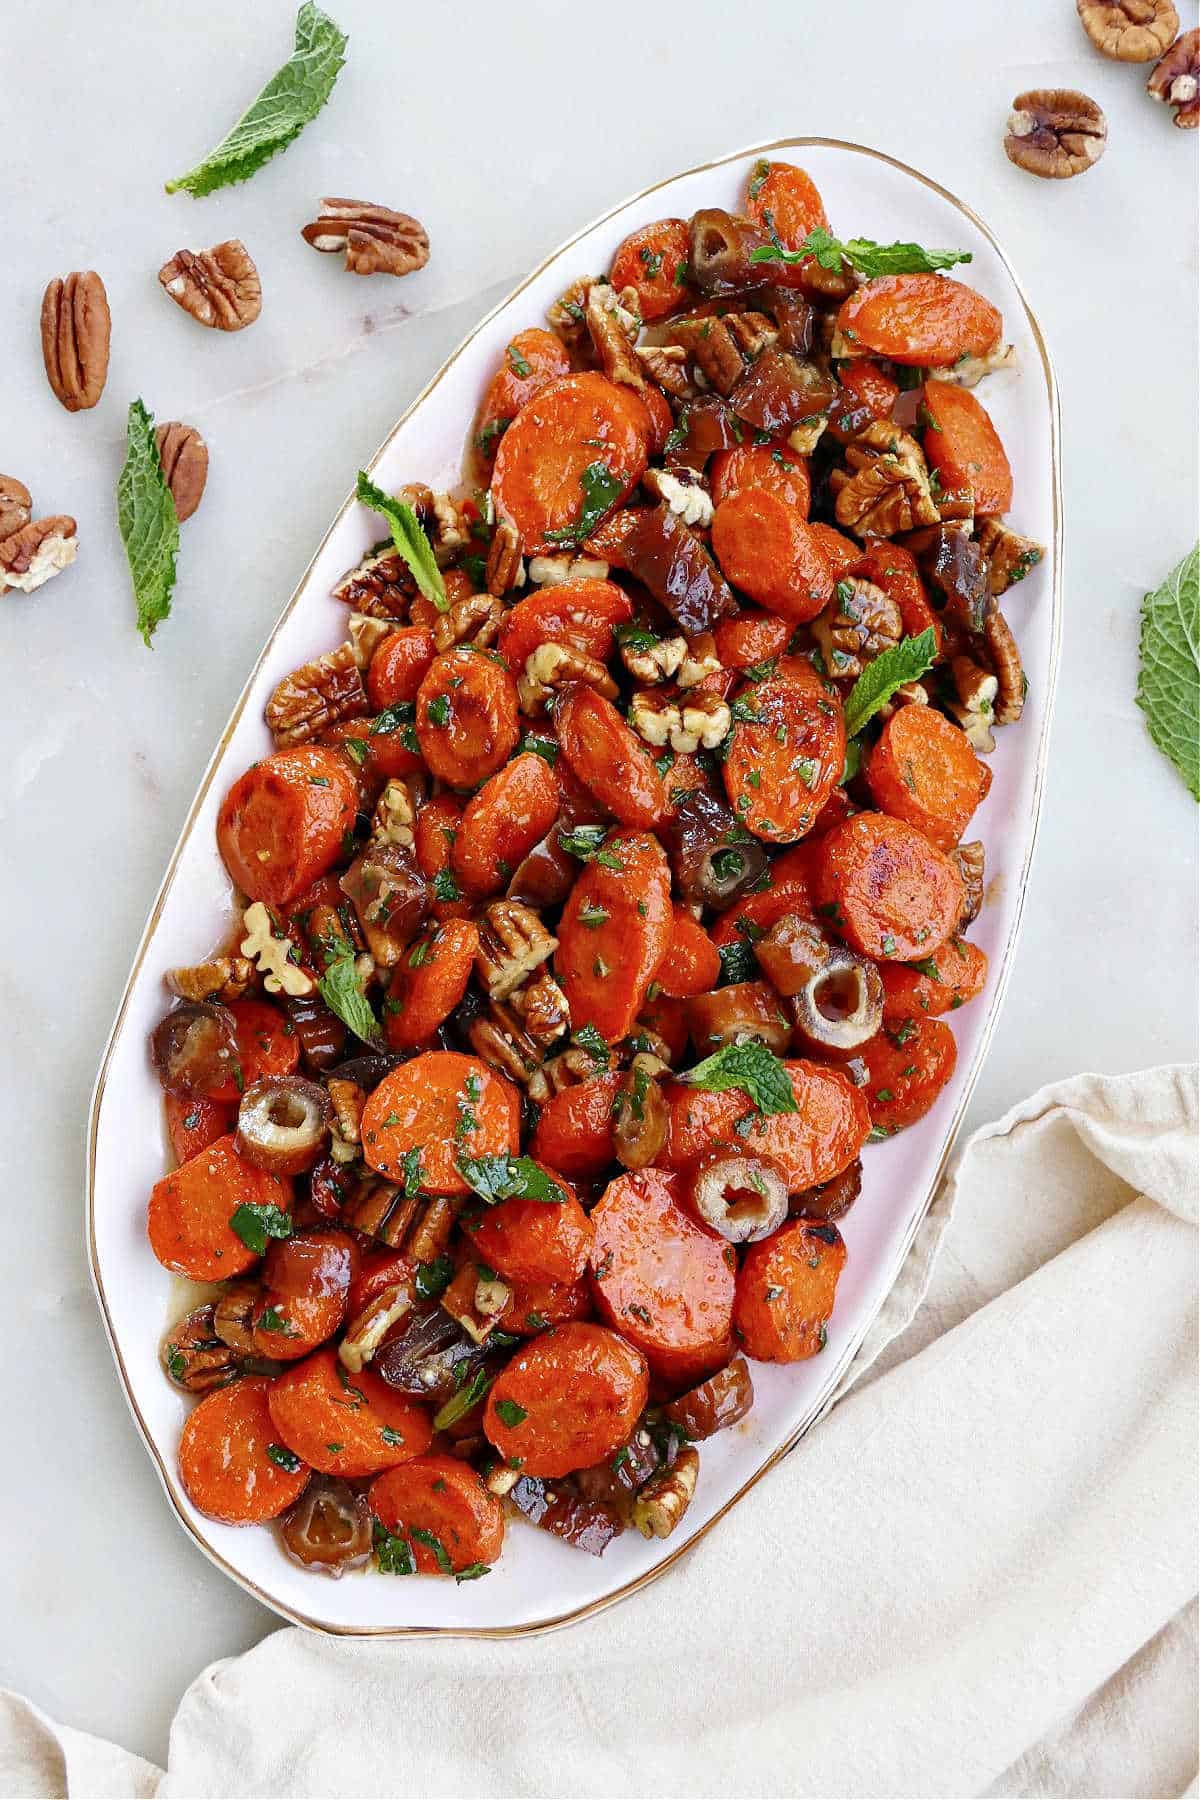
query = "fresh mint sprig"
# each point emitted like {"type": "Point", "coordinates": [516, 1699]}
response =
{"type": "Point", "coordinates": [147, 521]}
{"type": "Point", "coordinates": [1168, 690]}
{"type": "Point", "coordinates": [904, 662]}
{"type": "Point", "coordinates": [863, 254]}
{"type": "Point", "coordinates": [409, 539]}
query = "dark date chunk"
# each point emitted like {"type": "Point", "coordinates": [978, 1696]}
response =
{"type": "Point", "coordinates": [433, 1359]}
{"type": "Point", "coordinates": [195, 1049]}
{"type": "Point", "coordinates": [716, 1404]}
{"type": "Point", "coordinates": [667, 559]}
{"type": "Point", "coordinates": [328, 1528]}
{"type": "Point", "coordinates": [832, 1198]}
{"type": "Point", "coordinates": [781, 390]}
{"type": "Point", "coordinates": [584, 1524]}
{"type": "Point", "coordinates": [712, 862]}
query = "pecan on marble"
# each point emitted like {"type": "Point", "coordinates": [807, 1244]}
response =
{"type": "Point", "coordinates": [184, 457]}
{"type": "Point", "coordinates": [377, 241]}
{"type": "Point", "coordinates": [76, 327]}
{"type": "Point", "coordinates": [220, 287]}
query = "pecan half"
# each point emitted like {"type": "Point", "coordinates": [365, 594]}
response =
{"type": "Point", "coordinates": [667, 365]}
{"type": "Point", "coordinates": [513, 942]}
{"type": "Point", "coordinates": [381, 586]}
{"type": "Point", "coordinates": [572, 1068]}
{"type": "Point", "coordinates": [377, 241]}
{"type": "Point", "coordinates": [36, 552]}
{"type": "Point", "coordinates": [224, 978]}
{"type": "Point", "coordinates": [969, 861]}
{"type": "Point", "coordinates": [613, 328]}
{"type": "Point", "coordinates": [667, 1495]}
{"type": "Point", "coordinates": [476, 619]}
{"type": "Point", "coordinates": [1130, 30]}
{"type": "Point", "coordinates": [365, 635]}
{"type": "Point", "coordinates": [16, 506]}
{"type": "Point", "coordinates": [544, 1009]}
{"type": "Point", "coordinates": [888, 489]}
{"type": "Point", "coordinates": [552, 571]}
{"type": "Point", "coordinates": [194, 1356]}
{"type": "Point", "coordinates": [505, 567]}
{"type": "Point", "coordinates": [316, 695]}
{"type": "Point", "coordinates": [499, 1038]}
{"type": "Point", "coordinates": [347, 1099]}
{"type": "Point", "coordinates": [859, 624]}
{"type": "Point", "coordinates": [1006, 661]}
{"type": "Point", "coordinates": [1055, 133]}
{"type": "Point", "coordinates": [76, 327]}
{"type": "Point", "coordinates": [184, 457]}
{"type": "Point", "coordinates": [1176, 80]}
{"type": "Point", "coordinates": [655, 661]}
{"type": "Point", "coordinates": [552, 667]}
{"type": "Point", "coordinates": [218, 287]}
{"type": "Point", "coordinates": [1010, 556]}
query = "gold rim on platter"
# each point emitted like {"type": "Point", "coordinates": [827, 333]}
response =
{"type": "Point", "coordinates": [825, 1400]}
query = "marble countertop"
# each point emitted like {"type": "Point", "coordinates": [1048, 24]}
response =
{"type": "Point", "coordinates": [488, 123]}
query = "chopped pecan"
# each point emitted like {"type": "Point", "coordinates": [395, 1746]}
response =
{"type": "Point", "coordinates": [194, 1356]}
{"type": "Point", "coordinates": [476, 619]}
{"type": "Point", "coordinates": [653, 661]}
{"type": "Point", "coordinates": [380, 586]}
{"type": "Point", "coordinates": [969, 371]}
{"type": "Point", "coordinates": [566, 316]}
{"type": "Point", "coordinates": [714, 350]}
{"type": "Point", "coordinates": [505, 566]}
{"type": "Point", "coordinates": [183, 454]}
{"type": "Point", "coordinates": [476, 1301]}
{"type": "Point", "coordinates": [976, 705]}
{"type": "Point", "coordinates": [704, 722]}
{"type": "Point", "coordinates": [347, 1099]}
{"type": "Point", "coordinates": [35, 552]}
{"type": "Point", "coordinates": [499, 1038]}
{"type": "Point", "coordinates": [667, 1495]}
{"type": "Point", "coordinates": [912, 693]}
{"type": "Point", "coordinates": [613, 328]}
{"type": "Point", "coordinates": [365, 636]}
{"type": "Point", "coordinates": [16, 506]}
{"type": "Point", "coordinates": [233, 1316]}
{"type": "Point", "coordinates": [1010, 556]}
{"type": "Point", "coordinates": [955, 506]}
{"type": "Point", "coordinates": [859, 624]}
{"type": "Point", "coordinates": [969, 861]}
{"type": "Point", "coordinates": [76, 327]}
{"type": "Point", "coordinates": [444, 523]}
{"type": "Point", "coordinates": [1006, 661]}
{"type": "Point", "coordinates": [218, 287]}
{"type": "Point", "coordinates": [567, 1070]}
{"type": "Point", "coordinates": [1055, 133]}
{"type": "Point", "coordinates": [1176, 80]}
{"type": "Point", "coordinates": [1129, 30]}
{"type": "Point", "coordinates": [666, 364]}
{"type": "Point", "coordinates": [225, 978]}
{"type": "Point", "coordinates": [273, 954]}
{"type": "Point", "coordinates": [551, 571]}
{"type": "Point", "coordinates": [416, 1224]}
{"type": "Point", "coordinates": [315, 696]}
{"type": "Point", "coordinates": [888, 491]}
{"type": "Point", "coordinates": [513, 942]}
{"type": "Point", "coordinates": [553, 666]}
{"type": "Point", "coordinates": [654, 716]}
{"type": "Point", "coordinates": [392, 820]}
{"type": "Point", "coordinates": [684, 492]}
{"type": "Point", "coordinates": [377, 241]}
{"type": "Point", "coordinates": [544, 1009]}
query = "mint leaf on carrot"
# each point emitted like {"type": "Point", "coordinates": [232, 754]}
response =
{"type": "Point", "coordinates": [863, 254]}
{"type": "Point", "coordinates": [601, 490]}
{"type": "Point", "coordinates": [409, 539]}
{"type": "Point", "coordinates": [906, 661]}
{"type": "Point", "coordinates": [148, 522]}
{"type": "Point", "coordinates": [751, 1067]}
{"type": "Point", "coordinates": [341, 988]}
{"type": "Point", "coordinates": [1168, 690]}
{"type": "Point", "coordinates": [293, 97]}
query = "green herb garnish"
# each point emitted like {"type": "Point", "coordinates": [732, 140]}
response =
{"type": "Point", "coordinates": [392, 1554]}
{"type": "Point", "coordinates": [341, 989]}
{"type": "Point", "coordinates": [863, 254]}
{"type": "Point", "coordinates": [586, 842]}
{"type": "Point", "coordinates": [254, 1224]}
{"type": "Point", "coordinates": [601, 490]}
{"type": "Point", "coordinates": [1168, 690]}
{"type": "Point", "coordinates": [433, 1278]}
{"type": "Point", "coordinates": [147, 521]}
{"type": "Point", "coordinates": [510, 1413]}
{"type": "Point", "coordinates": [906, 661]}
{"type": "Point", "coordinates": [410, 541]}
{"type": "Point", "coordinates": [751, 1067]}
{"type": "Point", "coordinates": [496, 1178]}
{"type": "Point", "coordinates": [283, 1458]}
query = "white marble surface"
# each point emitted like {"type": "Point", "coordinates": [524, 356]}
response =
{"type": "Point", "coordinates": [503, 133]}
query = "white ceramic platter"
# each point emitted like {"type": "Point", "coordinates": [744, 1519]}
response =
{"type": "Point", "coordinates": [539, 1581]}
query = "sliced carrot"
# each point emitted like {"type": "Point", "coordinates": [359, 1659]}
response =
{"type": "Point", "coordinates": [467, 722]}
{"type": "Point", "coordinates": [662, 419]}
{"type": "Point", "coordinates": [608, 757]}
{"type": "Point", "coordinates": [580, 441]}
{"type": "Point", "coordinates": [190, 1212]}
{"type": "Point", "coordinates": [867, 394]}
{"type": "Point", "coordinates": [536, 1305]}
{"type": "Point", "coordinates": [940, 983]}
{"type": "Point", "coordinates": [614, 933]}
{"type": "Point", "coordinates": [575, 1131]}
{"type": "Point", "coordinates": [765, 548]}
{"type": "Point", "coordinates": [567, 1400]}
{"type": "Point", "coordinates": [685, 775]}
{"type": "Point", "coordinates": [437, 826]}
{"type": "Point", "coordinates": [282, 823]}
{"type": "Point", "coordinates": [445, 1106]}
{"type": "Point", "coordinates": [653, 261]}
{"type": "Point", "coordinates": [583, 614]}
{"type": "Point", "coordinates": [963, 445]}
{"type": "Point", "coordinates": [428, 982]}
{"type": "Point", "coordinates": [232, 1466]}
{"type": "Point", "coordinates": [784, 199]}
{"type": "Point", "coordinates": [925, 319]}
{"type": "Point", "coordinates": [692, 963]}
{"type": "Point", "coordinates": [344, 1424]}
{"type": "Point", "coordinates": [787, 752]}
{"type": "Point", "coordinates": [267, 1045]}
{"type": "Point", "coordinates": [786, 1290]}
{"type": "Point", "coordinates": [532, 360]}
{"type": "Point", "coordinates": [907, 1068]}
{"type": "Point", "coordinates": [752, 1007]}
{"type": "Point", "coordinates": [751, 637]}
{"type": "Point", "coordinates": [924, 770]}
{"type": "Point", "coordinates": [399, 665]}
{"type": "Point", "coordinates": [286, 1327]}
{"type": "Point", "coordinates": [886, 889]}
{"type": "Point", "coordinates": [535, 1240]}
{"type": "Point", "coordinates": [841, 553]}
{"type": "Point", "coordinates": [811, 1145]}
{"type": "Point", "coordinates": [513, 811]}
{"type": "Point", "coordinates": [442, 1510]}
{"type": "Point", "coordinates": [193, 1125]}
{"type": "Point", "coordinates": [774, 468]}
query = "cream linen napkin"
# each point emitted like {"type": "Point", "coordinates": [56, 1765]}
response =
{"type": "Point", "coordinates": [976, 1576]}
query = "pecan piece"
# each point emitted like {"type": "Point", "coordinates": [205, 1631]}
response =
{"type": "Point", "coordinates": [218, 287]}
{"type": "Point", "coordinates": [544, 1009]}
{"type": "Point", "coordinates": [684, 492]}
{"type": "Point", "coordinates": [505, 567]}
{"type": "Point", "coordinates": [613, 326]}
{"type": "Point", "coordinates": [651, 659]}
{"type": "Point", "coordinates": [667, 365]}
{"type": "Point", "coordinates": [381, 586]}
{"type": "Point", "coordinates": [347, 1099]}
{"type": "Point", "coordinates": [551, 667]}
{"type": "Point", "coordinates": [1130, 30]}
{"type": "Point", "coordinates": [513, 942]}
{"type": "Point", "coordinates": [667, 1495]}
{"type": "Point", "coordinates": [233, 1316]}
{"type": "Point", "coordinates": [859, 624]}
{"type": "Point", "coordinates": [76, 327]}
{"type": "Point", "coordinates": [36, 552]}
{"type": "Point", "coordinates": [566, 316]}
{"type": "Point", "coordinates": [975, 708]}
{"type": "Point", "coordinates": [365, 635]}
{"type": "Point", "coordinates": [573, 1067]}
{"type": "Point", "coordinates": [714, 350]}
{"type": "Point", "coordinates": [552, 571]}
{"type": "Point", "coordinates": [1006, 661]}
{"type": "Point", "coordinates": [499, 1038]}
{"type": "Point", "coordinates": [476, 619]}
{"type": "Point", "coordinates": [194, 1357]}
{"type": "Point", "coordinates": [392, 820]}
{"type": "Point", "coordinates": [183, 454]}
{"type": "Point", "coordinates": [316, 695]}
{"type": "Point", "coordinates": [16, 506]}
{"type": "Point", "coordinates": [224, 978]}
{"type": "Point", "coordinates": [969, 861]}
{"type": "Point", "coordinates": [1055, 133]}
{"type": "Point", "coordinates": [273, 954]}
{"type": "Point", "coordinates": [888, 491]}
{"type": "Point", "coordinates": [1010, 556]}
{"type": "Point", "coordinates": [969, 371]}
{"type": "Point", "coordinates": [1176, 80]}
{"type": "Point", "coordinates": [377, 241]}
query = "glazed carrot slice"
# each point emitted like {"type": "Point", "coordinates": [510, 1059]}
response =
{"type": "Point", "coordinates": [954, 974]}
{"type": "Point", "coordinates": [886, 889]}
{"type": "Point", "coordinates": [787, 752]}
{"type": "Point", "coordinates": [532, 360]}
{"type": "Point", "coordinates": [867, 394]}
{"type": "Point", "coordinates": [772, 467]}
{"type": "Point", "coordinates": [892, 567]}
{"type": "Point", "coordinates": [811, 1145]}
{"type": "Point", "coordinates": [692, 964]}
{"type": "Point", "coordinates": [267, 1045]}
{"type": "Point", "coordinates": [653, 261]}
{"type": "Point", "coordinates": [190, 1212]}
{"type": "Point", "coordinates": [662, 1278]}
{"type": "Point", "coordinates": [192, 1125]}
{"type": "Point", "coordinates": [614, 934]}
{"type": "Point", "coordinates": [784, 199]}
{"type": "Point", "coordinates": [232, 1465]}
{"type": "Point", "coordinates": [662, 419]}
{"type": "Point", "coordinates": [446, 1106]}
{"type": "Point", "coordinates": [567, 1400]}
{"type": "Point", "coordinates": [841, 553]}
{"type": "Point", "coordinates": [467, 722]}
{"type": "Point", "coordinates": [445, 1515]}
{"type": "Point", "coordinates": [924, 770]}
{"type": "Point", "coordinates": [575, 1131]}
{"type": "Point", "coordinates": [428, 982]}
{"type": "Point", "coordinates": [765, 548]}
{"type": "Point", "coordinates": [574, 452]}
{"type": "Point", "coordinates": [786, 1290]}
{"type": "Point", "coordinates": [608, 757]}
{"type": "Point", "coordinates": [536, 1305]}
{"type": "Point", "coordinates": [345, 1424]}
{"type": "Point", "coordinates": [534, 1240]}
{"type": "Point", "coordinates": [399, 665]}
{"type": "Point", "coordinates": [282, 822]}
{"type": "Point", "coordinates": [963, 445]}
{"type": "Point", "coordinates": [583, 614]}
{"type": "Point", "coordinates": [513, 811]}
{"type": "Point", "coordinates": [750, 638]}
{"type": "Point", "coordinates": [926, 319]}
{"type": "Point", "coordinates": [908, 1065]}
{"type": "Point", "coordinates": [434, 833]}
{"type": "Point", "coordinates": [684, 776]}
{"type": "Point", "coordinates": [790, 892]}
{"type": "Point", "coordinates": [286, 1327]}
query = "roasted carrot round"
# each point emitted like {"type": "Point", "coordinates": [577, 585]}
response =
{"type": "Point", "coordinates": [440, 1507]}
{"type": "Point", "coordinates": [786, 1290]}
{"type": "Point", "coordinates": [286, 1327]}
{"type": "Point", "coordinates": [583, 614]}
{"type": "Point", "coordinates": [692, 963]}
{"type": "Point", "coordinates": [232, 1466]}
{"type": "Point", "coordinates": [190, 1213]}
{"type": "Point", "coordinates": [345, 1424]}
{"type": "Point", "coordinates": [575, 1130]}
{"type": "Point", "coordinates": [784, 199]}
{"type": "Point", "coordinates": [192, 1125]}
{"type": "Point", "coordinates": [446, 1106]}
{"type": "Point", "coordinates": [567, 1400]}
{"type": "Point", "coordinates": [661, 1278]}
{"type": "Point", "coordinates": [608, 757]}
{"type": "Point", "coordinates": [924, 770]}
{"type": "Point", "coordinates": [787, 752]}
{"type": "Point", "coordinates": [428, 982]}
{"type": "Point", "coordinates": [886, 889]}
{"type": "Point", "coordinates": [954, 974]}
{"type": "Point", "coordinates": [892, 567]}
{"type": "Point", "coordinates": [513, 811]}
{"type": "Point", "coordinates": [963, 445]}
{"type": "Point", "coordinates": [575, 450]}
{"type": "Point", "coordinates": [267, 1045]}
{"type": "Point", "coordinates": [536, 1305]}
{"type": "Point", "coordinates": [434, 833]}
{"type": "Point", "coordinates": [841, 553]}
{"type": "Point", "coordinates": [535, 1240]}
{"type": "Point", "coordinates": [908, 1065]}
{"type": "Point", "coordinates": [773, 468]}
{"type": "Point", "coordinates": [925, 319]}
{"type": "Point", "coordinates": [751, 637]}
{"type": "Point", "coordinates": [866, 394]}
{"type": "Point", "coordinates": [532, 360]}
{"type": "Point", "coordinates": [765, 548]}
{"type": "Point", "coordinates": [467, 722]}
{"type": "Point", "coordinates": [614, 933]}
{"type": "Point", "coordinates": [399, 665]}
{"type": "Point", "coordinates": [811, 1145]}
{"type": "Point", "coordinates": [282, 823]}
{"type": "Point", "coordinates": [653, 261]}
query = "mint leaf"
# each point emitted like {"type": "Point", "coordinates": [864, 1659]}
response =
{"type": "Point", "coordinates": [147, 522]}
{"type": "Point", "coordinates": [341, 989]}
{"type": "Point", "coordinates": [255, 1224]}
{"type": "Point", "coordinates": [868, 257]}
{"type": "Point", "coordinates": [393, 1555]}
{"type": "Point", "coordinates": [510, 1413]}
{"type": "Point", "coordinates": [473, 1571]}
{"type": "Point", "coordinates": [1168, 690]}
{"type": "Point", "coordinates": [465, 1401]}
{"type": "Point", "coordinates": [751, 1067]}
{"type": "Point", "coordinates": [409, 539]}
{"type": "Point", "coordinates": [435, 1545]}
{"type": "Point", "coordinates": [292, 97]}
{"type": "Point", "coordinates": [283, 1458]}
{"type": "Point", "coordinates": [601, 489]}
{"type": "Point", "coordinates": [586, 843]}
{"type": "Point", "coordinates": [509, 1178]}
{"type": "Point", "coordinates": [906, 661]}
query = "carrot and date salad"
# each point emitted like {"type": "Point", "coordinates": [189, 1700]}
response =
{"type": "Point", "coordinates": [603, 897]}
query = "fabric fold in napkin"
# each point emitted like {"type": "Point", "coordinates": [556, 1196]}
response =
{"type": "Point", "coordinates": [977, 1575]}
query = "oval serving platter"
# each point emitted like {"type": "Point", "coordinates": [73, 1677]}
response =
{"type": "Point", "coordinates": [541, 1582]}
